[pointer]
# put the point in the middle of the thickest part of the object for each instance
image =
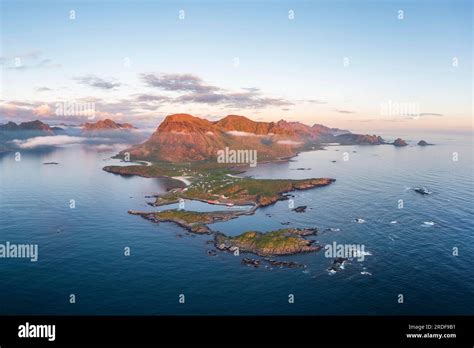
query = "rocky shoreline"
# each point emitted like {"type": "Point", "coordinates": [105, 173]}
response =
{"type": "Point", "coordinates": [195, 222]}
{"type": "Point", "coordinates": [287, 241]}
{"type": "Point", "coordinates": [215, 184]}
{"type": "Point", "coordinates": [241, 191]}
{"type": "Point", "coordinates": [247, 261]}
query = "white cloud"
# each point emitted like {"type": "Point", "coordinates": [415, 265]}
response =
{"type": "Point", "coordinates": [289, 142]}
{"type": "Point", "coordinates": [42, 110]}
{"type": "Point", "coordinates": [241, 134]}
{"type": "Point", "coordinates": [55, 140]}
{"type": "Point", "coordinates": [109, 147]}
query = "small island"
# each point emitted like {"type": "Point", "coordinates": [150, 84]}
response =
{"type": "Point", "coordinates": [399, 142]}
{"type": "Point", "coordinates": [424, 143]}
{"type": "Point", "coordinates": [285, 241]}
{"type": "Point", "coordinates": [193, 221]}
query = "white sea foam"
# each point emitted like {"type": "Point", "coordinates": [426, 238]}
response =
{"type": "Point", "coordinates": [362, 253]}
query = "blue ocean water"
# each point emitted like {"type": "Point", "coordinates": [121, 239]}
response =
{"type": "Point", "coordinates": [81, 250]}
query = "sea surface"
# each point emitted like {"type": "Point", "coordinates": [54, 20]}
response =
{"type": "Point", "coordinates": [81, 250]}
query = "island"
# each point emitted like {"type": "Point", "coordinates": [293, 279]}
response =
{"type": "Point", "coordinates": [423, 143]}
{"type": "Point", "coordinates": [399, 142]}
{"type": "Point", "coordinates": [240, 191]}
{"type": "Point", "coordinates": [187, 149]}
{"type": "Point", "coordinates": [285, 241]}
{"type": "Point", "coordinates": [193, 221]}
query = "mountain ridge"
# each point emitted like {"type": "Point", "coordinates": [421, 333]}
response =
{"type": "Point", "coordinates": [184, 137]}
{"type": "Point", "coordinates": [105, 125]}
{"type": "Point", "coordinates": [35, 125]}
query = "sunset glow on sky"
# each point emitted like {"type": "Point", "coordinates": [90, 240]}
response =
{"type": "Point", "coordinates": [360, 66]}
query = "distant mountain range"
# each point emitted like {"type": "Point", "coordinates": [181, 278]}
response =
{"type": "Point", "coordinates": [27, 126]}
{"type": "Point", "coordinates": [183, 137]}
{"type": "Point", "coordinates": [103, 131]}
{"type": "Point", "coordinates": [106, 125]}
{"type": "Point", "coordinates": [39, 126]}
{"type": "Point", "coordinates": [26, 130]}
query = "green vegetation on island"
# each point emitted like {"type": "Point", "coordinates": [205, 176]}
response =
{"type": "Point", "coordinates": [285, 241]}
{"type": "Point", "coordinates": [218, 185]}
{"type": "Point", "coordinates": [193, 221]}
{"type": "Point", "coordinates": [239, 191]}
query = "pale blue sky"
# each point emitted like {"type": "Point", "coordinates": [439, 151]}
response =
{"type": "Point", "coordinates": [295, 61]}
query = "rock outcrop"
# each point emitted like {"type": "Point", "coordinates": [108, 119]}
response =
{"type": "Point", "coordinates": [358, 139]}
{"type": "Point", "coordinates": [400, 142]}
